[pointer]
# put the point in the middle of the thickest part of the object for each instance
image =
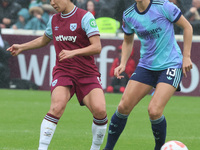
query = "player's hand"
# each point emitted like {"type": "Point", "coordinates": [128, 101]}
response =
{"type": "Point", "coordinates": [187, 65]}
{"type": "Point", "coordinates": [66, 54]}
{"type": "Point", "coordinates": [118, 70]}
{"type": "Point", "coordinates": [15, 49]}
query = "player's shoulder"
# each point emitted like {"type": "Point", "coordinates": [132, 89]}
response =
{"type": "Point", "coordinates": [81, 11]}
{"type": "Point", "coordinates": [57, 15]}
{"type": "Point", "coordinates": [129, 10]}
{"type": "Point", "coordinates": [163, 4]}
{"type": "Point", "coordinates": [159, 2]}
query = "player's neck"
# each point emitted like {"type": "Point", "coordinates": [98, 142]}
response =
{"type": "Point", "coordinates": [69, 8]}
{"type": "Point", "coordinates": [142, 5]}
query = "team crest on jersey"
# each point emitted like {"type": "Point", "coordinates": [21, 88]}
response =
{"type": "Point", "coordinates": [73, 26]}
{"type": "Point", "coordinates": [54, 82]}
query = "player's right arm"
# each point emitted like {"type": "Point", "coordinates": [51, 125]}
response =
{"type": "Point", "coordinates": [39, 42]}
{"type": "Point", "coordinates": [127, 47]}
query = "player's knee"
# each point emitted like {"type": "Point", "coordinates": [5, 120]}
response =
{"type": "Point", "coordinates": [100, 112]}
{"type": "Point", "coordinates": [154, 113]}
{"type": "Point", "coordinates": [57, 109]}
{"type": "Point", "coordinates": [124, 108]}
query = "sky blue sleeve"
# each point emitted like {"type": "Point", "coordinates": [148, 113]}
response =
{"type": "Point", "coordinates": [126, 28]}
{"type": "Point", "coordinates": [89, 25]}
{"type": "Point", "coordinates": [48, 31]}
{"type": "Point", "coordinates": [172, 12]}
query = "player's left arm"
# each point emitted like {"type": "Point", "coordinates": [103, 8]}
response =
{"type": "Point", "coordinates": [92, 49]}
{"type": "Point", "coordinates": [187, 37]}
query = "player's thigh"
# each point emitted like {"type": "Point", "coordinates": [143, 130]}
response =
{"type": "Point", "coordinates": [95, 101]}
{"type": "Point", "coordinates": [133, 93]}
{"type": "Point", "coordinates": [59, 98]}
{"type": "Point", "coordinates": [161, 96]}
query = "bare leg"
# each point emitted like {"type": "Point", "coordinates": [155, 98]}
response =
{"type": "Point", "coordinates": [95, 101]}
{"type": "Point", "coordinates": [156, 107]}
{"type": "Point", "coordinates": [49, 123]}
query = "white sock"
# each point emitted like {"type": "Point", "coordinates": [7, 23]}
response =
{"type": "Point", "coordinates": [98, 132]}
{"type": "Point", "coordinates": [46, 133]}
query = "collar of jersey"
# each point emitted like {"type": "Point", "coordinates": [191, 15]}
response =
{"type": "Point", "coordinates": [70, 13]}
{"type": "Point", "coordinates": [145, 10]}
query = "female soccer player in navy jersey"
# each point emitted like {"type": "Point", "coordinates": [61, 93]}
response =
{"type": "Point", "coordinates": [76, 39]}
{"type": "Point", "coordinates": [161, 63]}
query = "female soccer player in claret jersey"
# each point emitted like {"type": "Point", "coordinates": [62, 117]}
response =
{"type": "Point", "coordinates": [76, 39]}
{"type": "Point", "coordinates": [161, 63]}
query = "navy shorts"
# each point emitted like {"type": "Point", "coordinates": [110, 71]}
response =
{"type": "Point", "coordinates": [172, 76]}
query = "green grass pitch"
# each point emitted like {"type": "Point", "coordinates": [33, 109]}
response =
{"type": "Point", "coordinates": [22, 111]}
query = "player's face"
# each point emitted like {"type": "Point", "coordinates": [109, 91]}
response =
{"type": "Point", "coordinates": [58, 5]}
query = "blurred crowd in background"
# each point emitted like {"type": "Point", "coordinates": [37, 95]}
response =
{"type": "Point", "coordinates": [34, 14]}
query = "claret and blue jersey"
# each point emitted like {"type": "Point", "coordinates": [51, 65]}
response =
{"type": "Point", "coordinates": [70, 32]}
{"type": "Point", "coordinates": [154, 28]}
